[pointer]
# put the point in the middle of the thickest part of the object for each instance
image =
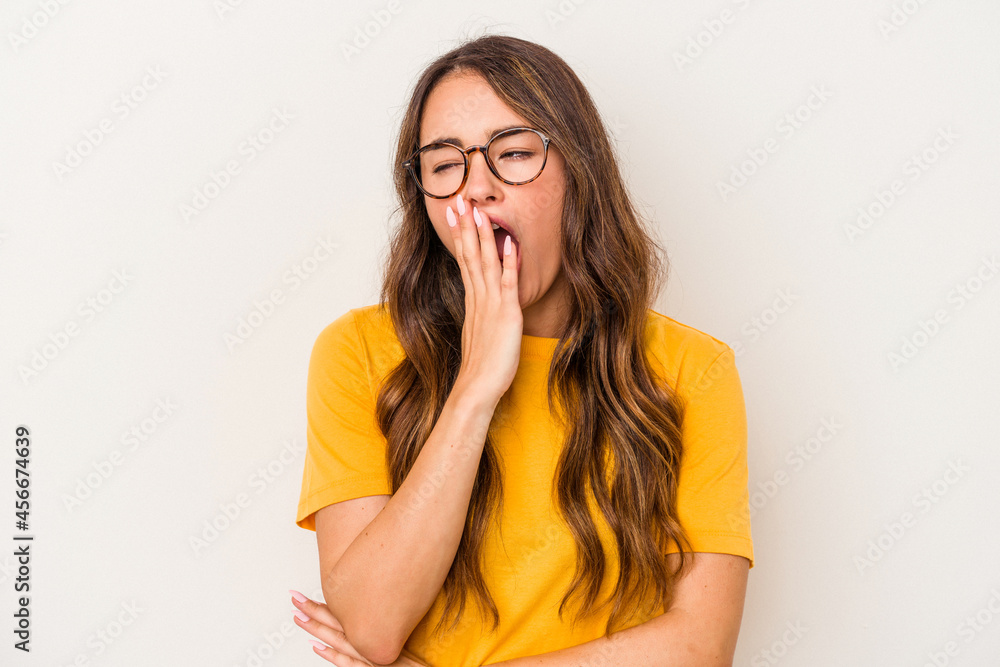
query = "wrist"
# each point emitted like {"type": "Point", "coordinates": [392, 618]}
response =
{"type": "Point", "coordinates": [469, 398]}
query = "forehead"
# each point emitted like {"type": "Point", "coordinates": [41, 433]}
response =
{"type": "Point", "coordinates": [464, 107]}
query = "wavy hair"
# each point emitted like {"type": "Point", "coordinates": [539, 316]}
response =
{"type": "Point", "coordinates": [622, 422]}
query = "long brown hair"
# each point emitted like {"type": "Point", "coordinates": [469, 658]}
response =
{"type": "Point", "coordinates": [615, 410]}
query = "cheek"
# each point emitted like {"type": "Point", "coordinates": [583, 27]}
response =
{"type": "Point", "coordinates": [544, 204]}
{"type": "Point", "coordinates": [444, 233]}
{"type": "Point", "coordinates": [550, 220]}
{"type": "Point", "coordinates": [554, 199]}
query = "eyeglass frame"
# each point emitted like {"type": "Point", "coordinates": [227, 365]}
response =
{"type": "Point", "coordinates": [484, 149]}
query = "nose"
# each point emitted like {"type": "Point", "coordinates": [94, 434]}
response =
{"type": "Point", "coordinates": [481, 182]}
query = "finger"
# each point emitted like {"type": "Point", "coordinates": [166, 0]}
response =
{"type": "Point", "coordinates": [454, 223]}
{"type": "Point", "coordinates": [332, 638]}
{"type": "Point", "coordinates": [324, 651]}
{"type": "Point", "coordinates": [318, 610]}
{"type": "Point", "coordinates": [472, 247]}
{"type": "Point", "coordinates": [508, 281]}
{"type": "Point", "coordinates": [468, 286]}
{"type": "Point", "coordinates": [336, 657]}
{"type": "Point", "coordinates": [470, 295]}
{"type": "Point", "coordinates": [492, 267]}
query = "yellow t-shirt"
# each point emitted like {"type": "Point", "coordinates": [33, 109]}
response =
{"type": "Point", "coordinates": [530, 571]}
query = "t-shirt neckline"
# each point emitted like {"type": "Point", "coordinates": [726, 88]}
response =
{"type": "Point", "coordinates": [537, 347]}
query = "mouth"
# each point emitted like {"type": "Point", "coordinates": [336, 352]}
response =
{"type": "Point", "coordinates": [501, 230]}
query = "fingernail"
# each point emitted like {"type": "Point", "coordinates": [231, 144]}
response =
{"type": "Point", "coordinates": [475, 214]}
{"type": "Point", "coordinates": [321, 647]}
{"type": "Point", "coordinates": [461, 205]}
{"type": "Point", "coordinates": [299, 597]}
{"type": "Point", "coordinates": [451, 217]}
{"type": "Point", "coordinates": [302, 617]}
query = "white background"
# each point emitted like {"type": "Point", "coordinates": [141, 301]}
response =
{"type": "Point", "coordinates": [849, 551]}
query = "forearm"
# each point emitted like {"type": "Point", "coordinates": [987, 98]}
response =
{"type": "Point", "coordinates": [669, 640]}
{"type": "Point", "coordinates": [390, 575]}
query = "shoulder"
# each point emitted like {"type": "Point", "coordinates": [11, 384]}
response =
{"type": "Point", "coordinates": [357, 325]}
{"type": "Point", "coordinates": [684, 354]}
{"type": "Point", "coordinates": [337, 338]}
{"type": "Point", "coordinates": [365, 334]}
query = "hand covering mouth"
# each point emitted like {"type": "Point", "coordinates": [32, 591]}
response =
{"type": "Point", "coordinates": [501, 230]}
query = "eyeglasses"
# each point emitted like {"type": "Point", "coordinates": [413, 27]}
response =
{"type": "Point", "coordinates": [516, 156]}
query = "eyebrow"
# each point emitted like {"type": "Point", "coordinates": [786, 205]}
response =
{"type": "Point", "coordinates": [458, 142]}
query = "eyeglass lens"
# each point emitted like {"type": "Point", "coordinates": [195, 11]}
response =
{"type": "Point", "coordinates": [518, 157]}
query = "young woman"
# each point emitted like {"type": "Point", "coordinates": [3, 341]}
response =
{"type": "Point", "coordinates": [513, 459]}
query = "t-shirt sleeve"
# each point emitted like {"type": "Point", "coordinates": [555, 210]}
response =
{"type": "Point", "coordinates": [713, 500]}
{"type": "Point", "coordinates": [345, 452]}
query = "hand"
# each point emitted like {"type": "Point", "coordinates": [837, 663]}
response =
{"type": "Point", "coordinates": [338, 650]}
{"type": "Point", "coordinates": [491, 334]}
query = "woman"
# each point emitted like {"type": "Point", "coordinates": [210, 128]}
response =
{"type": "Point", "coordinates": [507, 454]}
